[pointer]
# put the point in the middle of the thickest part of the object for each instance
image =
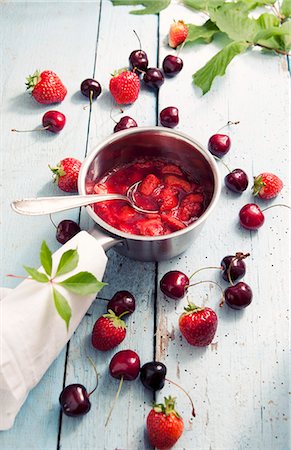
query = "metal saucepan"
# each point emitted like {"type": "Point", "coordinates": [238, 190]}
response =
{"type": "Point", "coordinates": [154, 142]}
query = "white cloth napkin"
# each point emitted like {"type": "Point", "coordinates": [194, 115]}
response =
{"type": "Point", "coordinates": [32, 333]}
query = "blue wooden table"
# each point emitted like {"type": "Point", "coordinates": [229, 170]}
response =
{"type": "Point", "coordinates": [240, 383]}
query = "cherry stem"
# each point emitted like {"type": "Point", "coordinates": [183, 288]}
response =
{"type": "Point", "coordinates": [230, 122]}
{"type": "Point", "coordinates": [238, 257]}
{"type": "Point", "coordinates": [182, 389]}
{"type": "Point", "coordinates": [115, 400]}
{"type": "Point", "coordinates": [204, 268]}
{"type": "Point", "coordinates": [96, 373]}
{"type": "Point", "coordinates": [51, 219]}
{"type": "Point", "coordinates": [222, 162]}
{"type": "Point", "coordinates": [120, 110]}
{"type": "Point", "coordinates": [210, 281]}
{"type": "Point", "coordinates": [18, 276]}
{"type": "Point", "coordinates": [91, 97]}
{"type": "Point", "coordinates": [180, 48]}
{"type": "Point", "coordinates": [273, 206]}
{"type": "Point", "coordinates": [123, 314]}
{"type": "Point", "coordinates": [30, 131]}
{"type": "Point", "coordinates": [137, 39]}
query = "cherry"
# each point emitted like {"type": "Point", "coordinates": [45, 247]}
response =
{"type": "Point", "coordinates": [53, 121]}
{"type": "Point", "coordinates": [153, 77]}
{"type": "Point", "coordinates": [66, 229]}
{"type": "Point", "coordinates": [236, 180]}
{"type": "Point", "coordinates": [219, 145]}
{"type": "Point", "coordinates": [169, 117]}
{"type": "Point", "coordinates": [125, 123]}
{"type": "Point", "coordinates": [91, 88]}
{"type": "Point", "coordinates": [174, 284]}
{"type": "Point", "coordinates": [122, 302]}
{"type": "Point", "coordinates": [172, 65]}
{"type": "Point", "coordinates": [74, 398]}
{"type": "Point", "coordinates": [138, 59]}
{"type": "Point", "coordinates": [125, 365]}
{"type": "Point", "coordinates": [153, 374]}
{"type": "Point", "coordinates": [233, 266]}
{"type": "Point", "coordinates": [238, 296]}
{"type": "Point", "coordinates": [251, 217]}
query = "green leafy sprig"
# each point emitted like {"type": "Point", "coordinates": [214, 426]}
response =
{"type": "Point", "coordinates": [271, 31]}
{"type": "Point", "coordinates": [82, 283]}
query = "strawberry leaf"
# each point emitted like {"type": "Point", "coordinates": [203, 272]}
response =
{"type": "Point", "coordinates": [286, 8]}
{"type": "Point", "coordinates": [150, 6]}
{"type": "Point", "coordinates": [83, 283]}
{"type": "Point", "coordinates": [62, 306]}
{"type": "Point", "coordinates": [36, 275]}
{"type": "Point", "coordinates": [68, 262]}
{"type": "Point", "coordinates": [204, 32]}
{"type": "Point", "coordinates": [46, 258]}
{"type": "Point", "coordinates": [217, 65]}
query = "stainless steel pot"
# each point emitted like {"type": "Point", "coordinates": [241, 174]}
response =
{"type": "Point", "coordinates": [151, 143]}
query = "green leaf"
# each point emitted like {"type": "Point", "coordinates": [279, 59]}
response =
{"type": "Point", "coordinates": [202, 5]}
{"type": "Point", "coordinates": [83, 283]}
{"type": "Point", "coordinates": [249, 5]}
{"type": "Point", "coordinates": [150, 6]}
{"type": "Point", "coordinates": [204, 77]}
{"type": "Point", "coordinates": [62, 306]}
{"type": "Point", "coordinates": [68, 262]}
{"type": "Point", "coordinates": [36, 275]}
{"type": "Point", "coordinates": [268, 20]}
{"type": "Point", "coordinates": [230, 19]}
{"type": "Point", "coordinates": [275, 37]}
{"type": "Point", "coordinates": [46, 258]}
{"type": "Point", "coordinates": [286, 8]}
{"type": "Point", "coordinates": [204, 32]}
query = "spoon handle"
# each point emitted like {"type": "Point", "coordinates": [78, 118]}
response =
{"type": "Point", "coordinates": [47, 205]}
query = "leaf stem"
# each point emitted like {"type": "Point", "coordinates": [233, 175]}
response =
{"type": "Point", "coordinates": [277, 50]}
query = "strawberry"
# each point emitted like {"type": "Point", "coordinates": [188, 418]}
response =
{"type": "Point", "coordinates": [66, 174]}
{"type": "Point", "coordinates": [148, 184]}
{"type": "Point", "coordinates": [46, 87]}
{"type": "Point", "coordinates": [108, 332]}
{"type": "Point", "coordinates": [151, 227]}
{"type": "Point", "coordinates": [173, 180]}
{"type": "Point", "coordinates": [178, 33]}
{"type": "Point", "coordinates": [267, 185]}
{"type": "Point", "coordinates": [191, 206]}
{"type": "Point", "coordinates": [164, 424]}
{"type": "Point", "coordinates": [172, 222]}
{"type": "Point", "coordinates": [124, 87]}
{"type": "Point", "coordinates": [198, 325]}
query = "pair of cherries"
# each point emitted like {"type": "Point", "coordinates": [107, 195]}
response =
{"type": "Point", "coordinates": [175, 284]}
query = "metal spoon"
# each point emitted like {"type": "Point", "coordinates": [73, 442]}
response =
{"type": "Point", "coordinates": [47, 205]}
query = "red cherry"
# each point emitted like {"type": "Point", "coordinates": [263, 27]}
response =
{"type": "Point", "coordinates": [219, 145]}
{"type": "Point", "coordinates": [125, 364]}
{"type": "Point", "coordinates": [74, 400]}
{"type": "Point", "coordinates": [251, 217]}
{"type": "Point", "coordinates": [125, 123]}
{"type": "Point", "coordinates": [122, 302]}
{"type": "Point", "coordinates": [54, 121]}
{"type": "Point", "coordinates": [174, 284]}
{"type": "Point", "coordinates": [236, 180]}
{"type": "Point", "coordinates": [238, 296]}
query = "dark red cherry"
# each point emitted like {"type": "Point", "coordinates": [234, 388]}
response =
{"type": "Point", "coordinates": [172, 65]}
{"type": "Point", "coordinates": [126, 364]}
{"type": "Point", "coordinates": [174, 284]}
{"type": "Point", "coordinates": [54, 121]}
{"type": "Point", "coordinates": [121, 302]}
{"type": "Point", "coordinates": [219, 145]}
{"type": "Point", "coordinates": [153, 77]}
{"type": "Point", "coordinates": [237, 269]}
{"type": "Point", "coordinates": [74, 400]}
{"type": "Point", "coordinates": [238, 296]}
{"type": "Point", "coordinates": [236, 181]}
{"type": "Point", "coordinates": [91, 88]}
{"type": "Point", "coordinates": [138, 60]}
{"type": "Point", "coordinates": [251, 217]}
{"type": "Point", "coordinates": [125, 123]}
{"type": "Point", "coordinates": [169, 117]}
{"type": "Point", "coordinates": [152, 375]}
{"type": "Point", "coordinates": [66, 229]}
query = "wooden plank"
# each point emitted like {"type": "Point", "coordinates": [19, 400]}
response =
{"type": "Point", "coordinates": [126, 427]}
{"type": "Point", "coordinates": [239, 383]}
{"type": "Point", "coordinates": [46, 36]}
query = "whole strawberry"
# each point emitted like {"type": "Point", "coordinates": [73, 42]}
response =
{"type": "Point", "coordinates": [66, 174]}
{"type": "Point", "coordinates": [124, 87]}
{"type": "Point", "coordinates": [198, 325]}
{"type": "Point", "coordinates": [267, 185]}
{"type": "Point", "coordinates": [164, 425]}
{"type": "Point", "coordinates": [108, 332]}
{"type": "Point", "coordinates": [46, 87]}
{"type": "Point", "coordinates": [178, 33]}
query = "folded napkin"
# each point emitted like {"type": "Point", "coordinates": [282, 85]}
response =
{"type": "Point", "coordinates": [32, 333]}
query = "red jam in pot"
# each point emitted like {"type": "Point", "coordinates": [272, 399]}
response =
{"type": "Point", "coordinates": [163, 187]}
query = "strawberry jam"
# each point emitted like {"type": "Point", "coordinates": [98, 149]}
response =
{"type": "Point", "coordinates": [176, 199]}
